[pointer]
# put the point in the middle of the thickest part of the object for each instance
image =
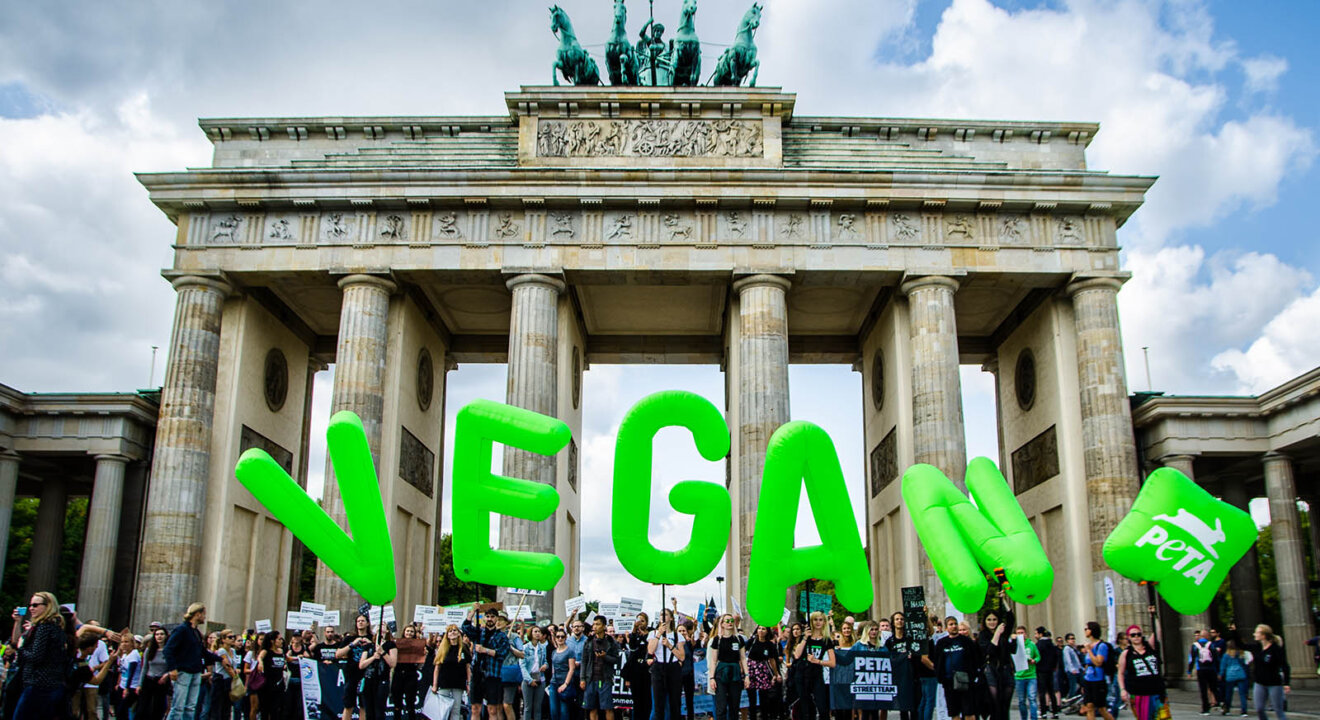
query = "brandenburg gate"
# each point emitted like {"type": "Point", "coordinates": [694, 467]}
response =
{"type": "Point", "coordinates": [636, 225]}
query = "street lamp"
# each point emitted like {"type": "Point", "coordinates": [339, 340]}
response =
{"type": "Point", "coordinates": [720, 580]}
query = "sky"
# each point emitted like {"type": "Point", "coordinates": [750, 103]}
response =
{"type": "Point", "coordinates": [1216, 98]}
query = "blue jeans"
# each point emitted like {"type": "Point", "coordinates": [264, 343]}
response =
{"type": "Point", "coordinates": [39, 703]}
{"type": "Point", "coordinates": [1114, 701]}
{"type": "Point", "coordinates": [1026, 692]}
{"type": "Point", "coordinates": [186, 690]}
{"type": "Point", "coordinates": [1073, 679]}
{"type": "Point", "coordinates": [929, 689]}
{"type": "Point", "coordinates": [558, 706]}
{"type": "Point", "coordinates": [1241, 686]}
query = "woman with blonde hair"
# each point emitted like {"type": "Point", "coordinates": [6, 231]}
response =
{"type": "Point", "coordinates": [1270, 670]}
{"type": "Point", "coordinates": [44, 655]}
{"type": "Point", "coordinates": [817, 650]}
{"type": "Point", "coordinates": [726, 680]}
{"type": "Point", "coordinates": [453, 669]}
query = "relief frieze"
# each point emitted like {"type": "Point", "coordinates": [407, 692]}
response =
{"type": "Point", "coordinates": [649, 138]}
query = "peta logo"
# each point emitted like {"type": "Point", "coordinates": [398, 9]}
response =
{"type": "Point", "coordinates": [1181, 538]}
{"type": "Point", "coordinates": [1197, 528]}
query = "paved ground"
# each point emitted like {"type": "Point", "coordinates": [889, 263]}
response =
{"type": "Point", "coordinates": [1187, 704]}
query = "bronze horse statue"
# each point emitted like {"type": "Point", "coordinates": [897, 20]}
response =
{"type": "Point", "coordinates": [740, 58]}
{"type": "Point", "coordinates": [620, 60]}
{"type": "Point", "coordinates": [574, 62]}
{"type": "Point", "coordinates": [686, 54]}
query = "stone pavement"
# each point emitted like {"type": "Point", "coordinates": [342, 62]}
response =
{"type": "Point", "coordinates": [1302, 703]}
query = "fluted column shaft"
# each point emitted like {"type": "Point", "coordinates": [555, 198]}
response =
{"type": "Point", "coordinates": [1289, 559]}
{"type": "Point", "coordinates": [938, 437]}
{"type": "Point", "coordinates": [1188, 625]}
{"type": "Point", "coordinates": [533, 385]}
{"type": "Point", "coordinates": [8, 490]}
{"type": "Point", "coordinates": [98, 565]}
{"type": "Point", "coordinates": [1244, 577]}
{"type": "Point", "coordinates": [48, 535]}
{"type": "Point", "coordinates": [1108, 447]}
{"type": "Point", "coordinates": [170, 564]}
{"type": "Point", "coordinates": [762, 396]}
{"type": "Point", "coordinates": [359, 387]}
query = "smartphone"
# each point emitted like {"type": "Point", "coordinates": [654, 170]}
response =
{"type": "Point", "coordinates": [22, 611]}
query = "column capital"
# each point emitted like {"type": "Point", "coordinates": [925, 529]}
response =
{"type": "Point", "coordinates": [762, 280]}
{"type": "Point", "coordinates": [7, 455]}
{"type": "Point", "coordinates": [911, 285]}
{"type": "Point", "coordinates": [384, 283]}
{"type": "Point", "coordinates": [109, 457]}
{"type": "Point", "coordinates": [1177, 457]}
{"type": "Point", "coordinates": [1273, 457]}
{"type": "Point", "coordinates": [536, 279]}
{"type": "Point", "coordinates": [215, 283]}
{"type": "Point", "coordinates": [1081, 284]}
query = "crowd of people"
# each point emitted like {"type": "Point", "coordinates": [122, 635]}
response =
{"type": "Point", "coordinates": [57, 667]}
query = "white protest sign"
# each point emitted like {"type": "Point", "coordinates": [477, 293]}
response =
{"type": "Point", "coordinates": [575, 605]}
{"type": "Point", "coordinates": [421, 611]}
{"type": "Point", "coordinates": [787, 614]}
{"type": "Point", "coordinates": [610, 611]}
{"type": "Point", "coordinates": [381, 615]}
{"type": "Point", "coordinates": [315, 609]}
{"type": "Point", "coordinates": [263, 626]}
{"type": "Point", "coordinates": [628, 610]}
{"type": "Point", "coordinates": [528, 593]}
{"type": "Point", "coordinates": [737, 611]}
{"type": "Point", "coordinates": [299, 620]}
{"type": "Point", "coordinates": [331, 617]}
{"type": "Point", "coordinates": [455, 615]}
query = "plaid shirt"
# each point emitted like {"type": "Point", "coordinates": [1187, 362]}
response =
{"type": "Point", "coordinates": [492, 639]}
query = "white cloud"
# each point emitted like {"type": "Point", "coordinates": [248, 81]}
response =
{"type": "Point", "coordinates": [1187, 308]}
{"type": "Point", "coordinates": [1287, 347]}
{"type": "Point", "coordinates": [1263, 72]}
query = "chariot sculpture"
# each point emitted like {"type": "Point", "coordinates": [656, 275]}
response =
{"type": "Point", "coordinates": [653, 61]}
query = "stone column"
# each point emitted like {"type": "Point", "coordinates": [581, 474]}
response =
{"type": "Point", "coordinates": [98, 565]}
{"type": "Point", "coordinates": [1289, 560]}
{"type": "Point", "coordinates": [1188, 625]}
{"type": "Point", "coordinates": [938, 437]}
{"type": "Point", "coordinates": [360, 388]}
{"type": "Point", "coordinates": [533, 385]}
{"type": "Point", "coordinates": [762, 397]}
{"type": "Point", "coordinates": [1312, 516]}
{"type": "Point", "coordinates": [48, 536]}
{"type": "Point", "coordinates": [1108, 445]}
{"type": "Point", "coordinates": [8, 489]}
{"type": "Point", "coordinates": [1244, 577]}
{"type": "Point", "coordinates": [170, 565]}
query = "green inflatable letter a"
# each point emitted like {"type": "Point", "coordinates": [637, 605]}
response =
{"type": "Point", "coordinates": [802, 452]}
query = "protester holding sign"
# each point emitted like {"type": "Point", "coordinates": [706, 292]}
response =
{"type": "Point", "coordinates": [353, 648]}
{"type": "Point", "coordinates": [667, 649]}
{"type": "Point", "coordinates": [817, 650]}
{"type": "Point", "coordinates": [726, 681]}
{"type": "Point", "coordinates": [917, 652]}
{"type": "Point", "coordinates": [403, 686]}
{"type": "Point", "coordinates": [297, 650]}
{"type": "Point", "coordinates": [1140, 679]}
{"type": "Point", "coordinates": [378, 658]}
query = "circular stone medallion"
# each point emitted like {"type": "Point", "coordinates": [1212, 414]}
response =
{"type": "Point", "coordinates": [1024, 379]}
{"type": "Point", "coordinates": [276, 379]}
{"type": "Point", "coordinates": [425, 379]}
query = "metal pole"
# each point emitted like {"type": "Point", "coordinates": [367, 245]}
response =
{"type": "Point", "coordinates": [1145, 350]}
{"type": "Point", "coordinates": [151, 380]}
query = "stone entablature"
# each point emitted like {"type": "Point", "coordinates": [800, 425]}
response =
{"type": "Point", "coordinates": [1273, 421]}
{"type": "Point", "coordinates": [84, 423]}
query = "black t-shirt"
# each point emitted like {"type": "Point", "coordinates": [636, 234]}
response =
{"type": "Point", "coordinates": [727, 648]}
{"type": "Point", "coordinates": [956, 654]}
{"type": "Point", "coordinates": [817, 648]}
{"type": "Point", "coordinates": [325, 652]}
{"type": "Point", "coordinates": [913, 650]}
{"type": "Point", "coordinates": [1142, 675]}
{"type": "Point", "coordinates": [273, 668]}
{"type": "Point", "coordinates": [453, 670]}
{"type": "Point", "coordinates": [360, 647]}
{"type": "Point", "coordinates": [762, 650]}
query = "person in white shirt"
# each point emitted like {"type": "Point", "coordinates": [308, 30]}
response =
{"type": "Point", "coordinates": [130, 675]}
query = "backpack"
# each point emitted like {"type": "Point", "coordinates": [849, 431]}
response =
{"type": "Point", "coordinates": [1111, 660]}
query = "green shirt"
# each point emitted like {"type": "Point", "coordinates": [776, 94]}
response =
{"type": "Point", "coordinates": [1033, 657]}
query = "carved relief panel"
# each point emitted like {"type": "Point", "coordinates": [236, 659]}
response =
{"type": "Point", "coordinates": [649, 138]}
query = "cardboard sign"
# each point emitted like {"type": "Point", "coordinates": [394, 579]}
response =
{"type": "Point", "coordinates": [411, 650]}
{"type": "Point", "coordinates": [575, 605]}
{"type": "Point", "coordinates": [315, 609]}
{"type": "Point", "coordinates": [299, 620]}
{"type": "Point", "coordinates": [263, 626]}
{"type": "Point", "coordinates": [483, 607]}
{"type": "Point", "coordinates": [914, 612]}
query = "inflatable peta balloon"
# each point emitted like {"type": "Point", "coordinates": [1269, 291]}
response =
{"type": "Point", "coordinates": [1180, 537]}
{"type": "Point", "coordinates": [967, 542]}
{"type": "Point", "coordinates": [477, 493]}
{"type": "Point", "coordinates": [365, 561]}
{"type": "Point", "coordinates": [801, 452]}
{"type": "Point", "coordinates": [708, 502]}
